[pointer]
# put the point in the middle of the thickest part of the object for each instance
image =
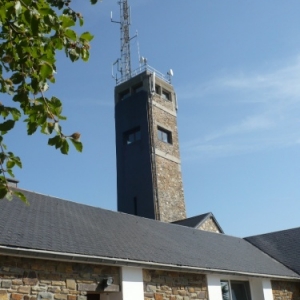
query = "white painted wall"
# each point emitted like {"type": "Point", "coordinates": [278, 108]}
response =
{"type": "Point", "coordinates": [267, 288]}
{"type": "Point", "coordinates": [132, 283]}
{"type": "Point", "coordinates": [256, 289]}
{"type": "Point", "coordinates": [214, 287]}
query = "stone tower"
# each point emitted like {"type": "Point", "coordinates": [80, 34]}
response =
{"type": "Point", "coordinates": [149, 182]}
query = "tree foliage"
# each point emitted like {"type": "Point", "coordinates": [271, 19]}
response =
{"type": "Point", "coordinates": [31, 32]}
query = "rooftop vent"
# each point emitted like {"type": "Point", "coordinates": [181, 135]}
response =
{"type": "Point", "coordinates": [12, 182]}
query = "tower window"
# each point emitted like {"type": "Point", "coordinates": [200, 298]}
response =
{"type": "Point", "coordinates": [157, 89]}
{"type": "Point", "coordinates": [166, 95]}
{"type": "Point", "coordinates": [138, 87]}
{"type": "Point", "coordinates": [125, 94]}
{"type": "Point", "coordinates": [164, 135]}
{"type": "Point", "coordinates": [135, 206]}
{"type": "Point", "coordinates": [132, 136]}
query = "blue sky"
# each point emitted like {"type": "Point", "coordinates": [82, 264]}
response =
{"type": "Point", "coordinates": [236, 70]}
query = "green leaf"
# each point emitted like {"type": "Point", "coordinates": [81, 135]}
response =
{"type": "Point", "coordinates": [55, 141]}
{"type": "Point", "coordinates": [3, 191]}
{"type": "Point", "coordinates": [86, 36]}
{"type": "Point", "coordinates": [17, 78]}
{"type": "Point", "coordinates": [10, 164]}
{"type": "Point", "coordinates": [7, 125]}
{"type": "Point", "coordinates": [17, 161]}
{"type": "Point", "coordinates": [85, 54]}
{"type": "Point", "coordinates": [65, 147]}
{"type": "Point", "coordinates": [10, 172]}
{"type": "Point", "coordinates": [46, 70]}
{"type": "Point", "coordinates": [78, 145]}
{"type": "Point", "coordinates": [27, 17]}
{"type": "Point", "coordinates": [21, 196]}
{"type": "Point", "coordinates": [57, 127]}
{"type": "Point", "coordinates": [81, 21]}
{"type": "Point", "coordinates": [18, 8]}
{"type": "Point", "coordinates": [35, 25]}
{"type": "Point", "coordinates": [94, 1]}
{"type": "Point", "coordinates": [16, 114]}
{"type": "Point", "coordinates": [45, 129]}
{"type": "Point", "coordinates": [73, 55]}
{"type": "Point", "coordinates": [57, 42]}
{"type": "Point", "coordinates": [9, 195]}
{"type": "Point", "coordinates": [71, 34]}
{"type": "Point", "coordinates": [31, 127]}
{"type": "Point", "coordinates": [27, 2]}
{"type": "Point", "coordinates": [66, 21]}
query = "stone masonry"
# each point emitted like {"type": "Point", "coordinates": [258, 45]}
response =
{"type": "Point", "coordinates": [209, 225]}
{"type": "Point", "coordinates": [33, 279]}
{"type": "Point", "coordinates": [167, 158]}
{"type": "Point", "coordinates": [163, 285]}
{"type": "Point", "coordinates": [283, 290]}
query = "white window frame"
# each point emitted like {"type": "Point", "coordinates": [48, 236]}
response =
{"type": "Point", "coordinates": [260, 288]}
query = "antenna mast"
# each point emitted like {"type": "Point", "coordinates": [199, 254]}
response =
{"type": "Point", "coordinates": [125, 39]}
{"type": "Point", "coordinates": [125, 68]}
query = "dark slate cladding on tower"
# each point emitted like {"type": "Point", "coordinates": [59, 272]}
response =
{"type": "Point", "coordinates": [134, 180]}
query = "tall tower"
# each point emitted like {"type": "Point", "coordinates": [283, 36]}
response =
{"type": "Point", "coordinates": [149, 182]}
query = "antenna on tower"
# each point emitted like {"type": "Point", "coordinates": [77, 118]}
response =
{"type": "Point", "coordinates": [124, 62]}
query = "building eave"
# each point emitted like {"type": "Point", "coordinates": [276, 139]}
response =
{"type": "Point", "coordinates": [121, 262]}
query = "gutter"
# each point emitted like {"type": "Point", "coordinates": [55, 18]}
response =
{"type": "Point", "coordinates": [91, 259]}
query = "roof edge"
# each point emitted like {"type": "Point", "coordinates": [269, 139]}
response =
{"type": "Point", "coordinates": [90, 259]}
{"type": "Point", "coordinates": [211, 215]}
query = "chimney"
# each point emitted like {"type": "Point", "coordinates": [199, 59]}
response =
{"type": "Point", "coordinates": [12, 182]}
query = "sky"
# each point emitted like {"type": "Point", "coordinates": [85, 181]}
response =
{"type": "Point", "coordinates": [236, 67]}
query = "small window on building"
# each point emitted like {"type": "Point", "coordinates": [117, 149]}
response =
{"type": "Point", "coordinates": [157, 89]}
{"type": "Point", "coordinates": [125, 94]}
{"type": "Point", "coordinates": [132, 136]}
{"type": "Point", "coordinates": [135, 203]}
{"type": "Point", "coordinates": [166, 95]}
{"type": "Point", "coordinates": [235, 290]}
{"type": "Point", "coordinates": [164, 135]}
{"type": "Point", "coordinates": [137, 88]}
{"type": "Point", "coordinates": [91, 296]}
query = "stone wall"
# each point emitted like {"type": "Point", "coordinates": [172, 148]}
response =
{"type": "Point", "coordinates": [33, 279]}
{"type": "Point", "coordinates": [163, 285]}
{"type": "Point", "coordinates": [168, 164]}
{"type": "Point", "coordinates": [283, 290]}
{"type": "Point", "coordinates": [168, 104]}
{"type": "Point", "coordinates": [167, 121]}
{"type": "Point", "coordinates": [209, 225]}
{"type": "Point", "coordinates": [170, 190]}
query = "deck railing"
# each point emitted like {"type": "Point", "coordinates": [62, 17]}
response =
{"type": "Point", "coordinates": [142, 69]}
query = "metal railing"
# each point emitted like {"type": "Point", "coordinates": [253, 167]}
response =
{"type": "Point", "coordinates": [142, 69]}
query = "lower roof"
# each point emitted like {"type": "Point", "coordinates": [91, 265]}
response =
{"type": "Point", "coordinates": [283, 245]}
{"type": "Point", "coordinates": [52, 225]}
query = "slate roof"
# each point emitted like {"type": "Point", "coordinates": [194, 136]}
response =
{"type": "Point", "coordinates": [283, 245]}
{"type": "Point", "coordinates": [61, 226]}
{"type": "Point", "coordinates": [197, 221]}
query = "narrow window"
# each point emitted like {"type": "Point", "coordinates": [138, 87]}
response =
{"type": "Point", "coordinates": [135, 205]}
{"type": "Point", "coordinates": [125, 94]}
{"type": "Point", "coordinates": [132, 135]}
{"type": "Point", "coordinates": [137, 88]}
{"type": "Point", "coordinates": [157, 89]}
{"type": "Point", "coordinates": [164, 135]}
{"type": "Point", "coordinates": [235, 290]}
{"type": "Point", "coordinates": [166, 95]}
{"type": "Point", "coordinates": [93, 296]}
